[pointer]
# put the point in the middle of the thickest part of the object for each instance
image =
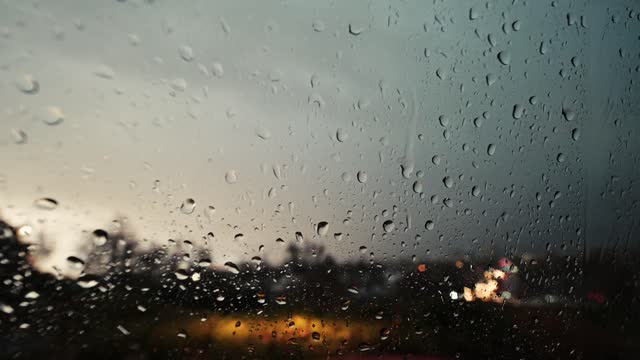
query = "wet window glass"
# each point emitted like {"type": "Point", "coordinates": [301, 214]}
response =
{"type": "Point", "coordinates": [319, 179]}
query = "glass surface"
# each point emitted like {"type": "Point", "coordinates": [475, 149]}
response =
{"type": "Point", "coordinates": [319, 179]}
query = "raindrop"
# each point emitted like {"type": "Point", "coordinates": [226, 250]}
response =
{"type": "Point", "coordinates": [27, 84]}
{"type": "Point", "coordinates": [299, 237]}
{"type": "Point", "coordinates": [518, 110]}
{"type": "Point", "coordinates": [504, 57]}
{"type": "Point", "coordinates": [568, 114]}
{"type": "Point", "coordinates": [53, 116]}
{"type": "Point", "coordinates": [561, 157]}
{"type": "Point", "coordinates": [444, 121]}
{"type": "Point", "coordinates": [316, 336]}
{"type": "Point", "coordinates": [341, 135]}
{"type": "Point", "coordinates": [355, 30]}
{"type": "Point", "coordinates": [32, 295]}
{"type": "Point", "coordinates": [181, 274]}
{"type": "Point", "coordinates": [100, 237]}
{"type": "Point", "coordinates": [238, 237]}
{"type": "Point", "coordinates": [218, 70]}
{"type": "Point", "coordinates": [417, 187]}
{"type": "Point", "coordinates": [19, 136]}
{"type": "Point", "coordinates": [429, 225]}
{"type": "Point", "coordinates": [473, 14]}
{"type": "Point", "coordinates": [491, 149]}
{"type": "Point", "coordinates": [87, 281]}
{"type": "Point", "coordinates": [231, 177]}
{"type": "Point", "coordinates": [475, 191]}
{"type": "Point", "coordinates": [232, 267]}
{"type": "Point", "coordinates": [75, 262]}
{"type": "Point", "coordinates": [188, 206]}
{"type": "Point", "coordinates": [186, 53]}
{"type": "Point", "coordinates": [46, 203]}
{"type": "Point", "coordinates": [575, 134]}
{"type": "Point", "coordinates": [318, 26]}
{"type": "Point", "coordinates": [447, 181]}
{"type": "Point", "coordinates": [435, 160]}
{"type": "Point", "coordinates": [322, 228]}
{"type": "Point", "coordinates": [388, 226]}
{"type": "Point", "coordinates": [179, 84]}
{"type": "Point", "coordinates": [104, 72]}
{"type": "Point", "coordinates": [362, 177]}
{"type": "Point", "coordinates": [263, 133]}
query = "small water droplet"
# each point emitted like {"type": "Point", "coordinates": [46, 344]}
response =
{"type": "Point", "coordinates": [87, 281]}
{"type": "Point", "coordinates": [444, 121]}
{"type": "Point", "coordinates": [19, 136]}
{"type": "Point", "coordinates": [53, 116]}
{"type": "Point", "coordinates": [355, 30]}
{"type": "Point", "coordinates": [568, 114]}
{"type": "Point", "coordinates": [188, 206]}
{"type": "Point", "coordinates": [231, 177]}
{"type": "Point", "coordinates": [217, 69]}
{"type": "Point", "coordinates": [341, 135]}
{"type": "Point", "coordinates": [263, 133]}
{"type": "Point", "coordinates": [179, 84]}
{"type": "Point", "coordinates": [315, 336]}
{"type": "Point", "coordinates": [186, 53]}
{"type": "Point", "coordinates": [318, 25]}
{"type": "Point", "coordinates": [27, 84]}
{"type": "Point", "coordinates": [435, 160]}
{"type": "Point", "coordinates": [561, 157]}
{"type": "Point", "coordinates": [46, 203]}
{"type": "Point", "coordinates": [104, 72]}
{"type": "Point", "coordinates": [238, 237]}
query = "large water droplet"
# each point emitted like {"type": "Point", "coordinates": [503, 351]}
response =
{"type": "Point", "coordinates": [417, 187]}
{"type": "Point", "coordinates": [322, 228]}
{"type": "Point", "coordinates": [100, 237]}
{"type": "Point", "coordinates": [504, 57]}
{"type": "Point", "coordinates": [575, 134]}
{"type": "Point", "coordinates": [447, 181]}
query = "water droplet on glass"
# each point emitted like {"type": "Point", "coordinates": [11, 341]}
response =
{"type": "Point", "coordinates": [87, 281]}
{"type": "Point", "coordinates": [75, 262]}
{"type": "Point", "coordinates": [186, 52]}
{"type": "Point", "coordinates": [19, 136]}
{"type": "Point", "coordinates": [444, 121]}
{"type": "Point", "coordinates": [53, 116]}
{"type": "Point", "coordinates": [362, 177]}
{"type": "Point", "coordinates": [435, 160]}
{"type": "Point", "coordinates": [218, 69]}
{"type": "Point", "coordinates": [388, 226]}
{"type": "Point", "coordinates": [46, 203]}
{"type": "Point", "coordinates": [341, 135]}
{"type": "Point", "coordinates": [504, 57]}
{"type": "Point", "coordinates": [179, 84]}
{"type": "Point", "coordinates": [263, 133]}
{"type": "Point", "coordinates": [475, 191]}
{"type": "Point", "coordinates": [417, 187]}
{"type": "Point", "coordinates": [100, 237]}
{"type": "Point", "coordinates": [27, 84]}
{"type": "Point", "coordinates": [318, 26]}
{"type": "Point", "coordinates": [355, 29]}
{"type": "Point", "coordinates": [429, 225]}
{"type": "Point", "coordinates": [322, 228]}
{"type": "Point", "coordinates": [568, 114]}
{"type": "Point", "coordinates": [188, 206]}
{"type": "Point", "coordinates": [232, 267]}
{"type": "Point", "coordinates": [575, 134]}
{"type": "Point", "coordinates": [315, 336]}
{"type": "Point", "coordinates": [238, 237]}
{"type": "Point", "coordinates": [518, 110]}
{"type": "Point", "coordinates": [447, 181]}
{"type": "Point", "coordinates": [231, 177]}
{"type": "Point", "coordinates": [104, 72]}
{"type": "Point", "coordinates": [491, 149]}
{"type": "Point", "coordinates": [561, 157]}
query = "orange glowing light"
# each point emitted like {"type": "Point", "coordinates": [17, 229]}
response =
{"type": "Point", "coordinates": [422, 267]}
